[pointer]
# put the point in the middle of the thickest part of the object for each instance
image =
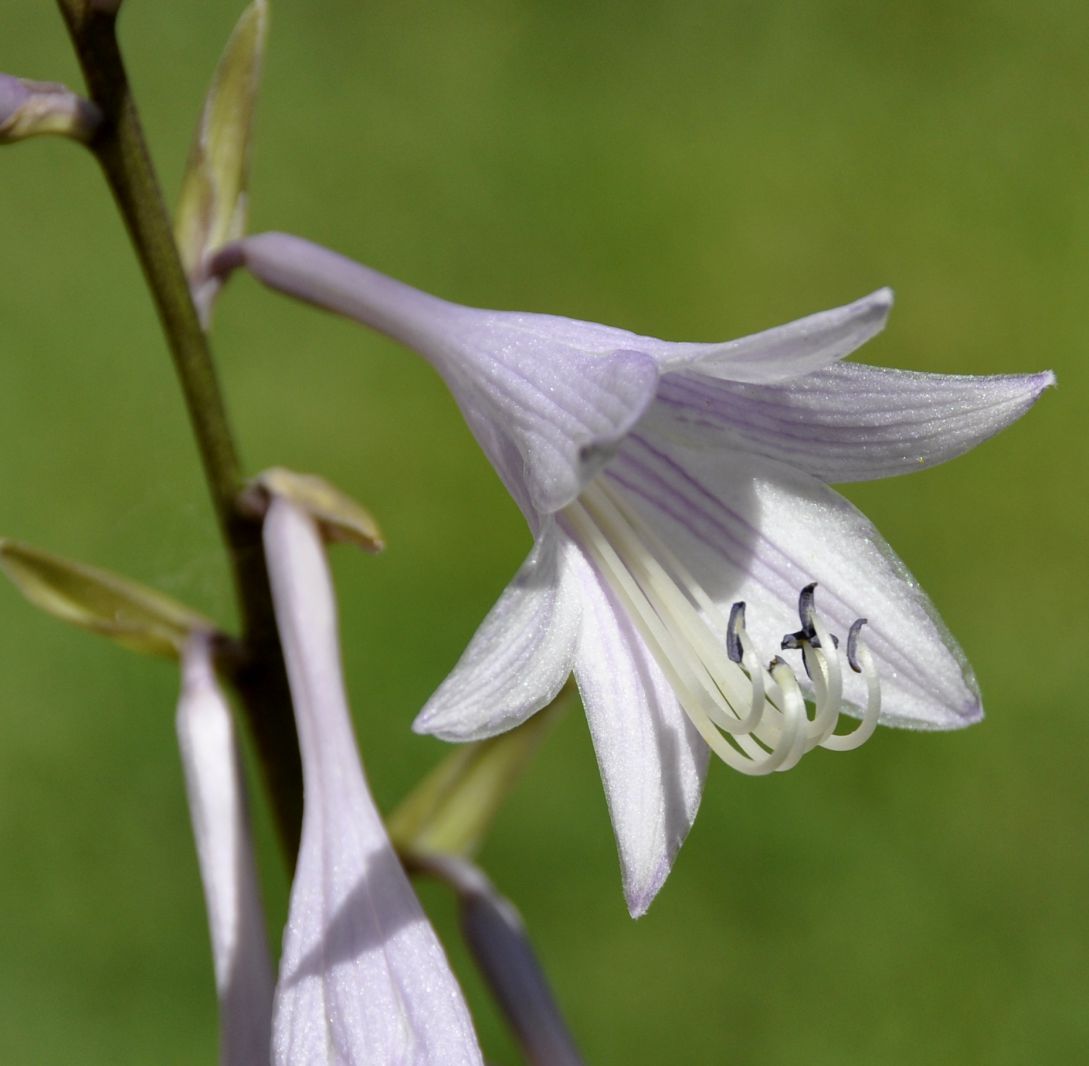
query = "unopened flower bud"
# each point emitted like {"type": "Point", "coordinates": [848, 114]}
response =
{"type": "Point", "coordinates": [35, 108]}
{"type": "Point", "coordinates": [500, 946]}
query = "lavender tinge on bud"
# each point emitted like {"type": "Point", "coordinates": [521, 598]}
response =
{"type": "Point", "coordinates": [39, 108]}
{"type": "Point", "coordinates": [498, 940]}
{"type": "Point", "coordinates": [666, 483]}
{"type": "Point", "coordinates": [13, 94]}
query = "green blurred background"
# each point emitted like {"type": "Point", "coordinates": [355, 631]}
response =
{"type": "Point", "coordinates": [693, 171]}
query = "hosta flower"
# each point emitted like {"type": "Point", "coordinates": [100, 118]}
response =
{"type": "Point", "coordinates": [362, 976]}
{"type": "Point", "coordinates": [690, 563]}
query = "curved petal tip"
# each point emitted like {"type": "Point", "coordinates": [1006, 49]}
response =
{"type": "Point", "coordinates": [640, 891]}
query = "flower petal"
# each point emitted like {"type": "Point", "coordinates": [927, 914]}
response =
{"type": "Point", "coordinates": [848, 422]}
{"type": "Point", "coordinates": [362, 978]}
{"type": "Point", "coordinates": [520, 656]}
{"type": "Point", "coordinates": [652, 760]}
{"type": "Point", "coordinates": [787, 351]}
{"type": "Point", "coordinates": [217, 806]}
{"type": "Point", "coordinates": [564, 410]}
{"type": "Point", "coordinates": [757, 530]}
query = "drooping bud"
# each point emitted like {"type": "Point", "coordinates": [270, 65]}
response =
{"type": "Point", "coordinates": [37, 108]}
{"type": "Point", "coordinates": [340, 518]}
{"type": "Point", "coordinates": [212, 205]}
{"type": "Point", "coordinates": [497, 938]}
{"type": "Point", "coordinates": [131, 614]}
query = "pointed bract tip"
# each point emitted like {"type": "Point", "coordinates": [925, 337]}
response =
{"type": "Point", "coordinates": [339, 518]}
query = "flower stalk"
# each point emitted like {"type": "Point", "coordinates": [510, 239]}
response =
{"type": "Point", "coordinates": [256, 667]}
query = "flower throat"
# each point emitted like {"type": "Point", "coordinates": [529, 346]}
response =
{"type": "Point", "coordinates": [754, 717]}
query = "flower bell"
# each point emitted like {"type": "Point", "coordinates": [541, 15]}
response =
{"type": "Point", "coordinates": [666, 484]}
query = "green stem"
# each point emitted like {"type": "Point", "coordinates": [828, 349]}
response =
{"type": "Point", "coordinates": [258, 671]}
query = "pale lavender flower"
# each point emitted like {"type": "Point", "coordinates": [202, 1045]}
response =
{"type": "Point", "coordinates": [678, 498]}
{"type": "Point", "coordinates": [362, 977]}
{"type": "Point", "coordinates": [221, 829]}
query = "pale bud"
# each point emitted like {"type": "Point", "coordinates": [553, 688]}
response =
{"type": "Point", "coordinates": [37, 108]}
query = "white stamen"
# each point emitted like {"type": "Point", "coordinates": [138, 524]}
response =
{"type": "Point", "coordinates": [792, 745]}
{"type": "Point", "coordinates": [824, 672]}
{"type": "Point", "coordinates": [832, 677]}
{"type": "Point", "coordinates": [864, 730]}
{"type": "Point", "coordinates": [754, 718]}
{"type": "Point", "coordinates": [751, 662]}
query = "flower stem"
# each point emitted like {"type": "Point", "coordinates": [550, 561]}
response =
{"type": "Point", "coordinates": [257, 669]}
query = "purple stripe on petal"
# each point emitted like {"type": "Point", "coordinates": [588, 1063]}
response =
{"type": "Point", "coordinates": [848, 422]}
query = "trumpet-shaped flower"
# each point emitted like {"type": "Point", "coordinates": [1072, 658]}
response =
{"type": "Point", "coordinates": [682, 522]}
